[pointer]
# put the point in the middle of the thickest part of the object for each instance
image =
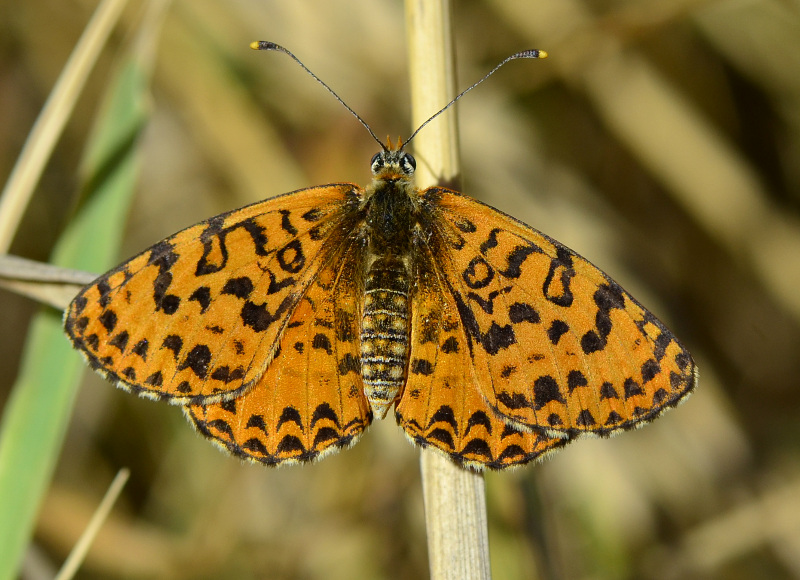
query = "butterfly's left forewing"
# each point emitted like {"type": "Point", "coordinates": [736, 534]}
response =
{"type": "Point", "coordinates": [197, 317]}
{"type": "Point", "coordinates": [556, 345]}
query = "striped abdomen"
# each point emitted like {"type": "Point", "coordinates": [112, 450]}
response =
{"type": "Point", "coordinates": [384, 332]}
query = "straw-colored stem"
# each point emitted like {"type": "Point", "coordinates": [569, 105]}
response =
{"type": "Point", "coordinates": [78, 553]}
{"type": "Point", "coordinates": [48, 127]}
{"type": "Point", "coordinates": [455, 504]}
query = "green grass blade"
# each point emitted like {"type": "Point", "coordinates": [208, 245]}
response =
{"type": "Point", "coordinates": [40, 406]}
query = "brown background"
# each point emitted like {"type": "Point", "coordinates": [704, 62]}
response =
{"type": "Point", "coordinates": [660, 140]}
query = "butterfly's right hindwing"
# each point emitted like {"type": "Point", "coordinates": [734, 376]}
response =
{"type": "Point", "coordinates": [442, 406]}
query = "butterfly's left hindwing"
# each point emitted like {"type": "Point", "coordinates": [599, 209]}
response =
{"type": "Point", "coordinates": [555, 345]}
{"type": "Point", "coordinates": [310, 401]}
{"type": "Point", "coordinates": [197, 317]}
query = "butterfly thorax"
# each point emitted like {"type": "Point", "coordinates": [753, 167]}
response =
{"type": "Point", "coordinates": [389, 221]}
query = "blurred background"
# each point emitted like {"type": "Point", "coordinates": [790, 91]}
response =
{"type": "Point", "coordinates": [661, 140]}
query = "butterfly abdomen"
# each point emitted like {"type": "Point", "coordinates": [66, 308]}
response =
{"type": "Point", "coordinates": [384, 332]}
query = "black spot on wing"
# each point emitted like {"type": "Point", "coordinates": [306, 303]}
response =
{"type": "Point", "coordinates": [324, 411]}
{"type": "Point", "coordinates": [291, 258]}
{"type": "Point", "coordinates": [257, 317]}
{"type": "Point", "coordinates": [202, 296]}
{"type": "Point", "coordinates": [120, 340]}
{"type": "Point", "coordinates": [585, 419]}
{"type": "Point", "coordinates": [109, 320]}
{"type": "Point", "coordinates": [197, 360]}
{"type": "Point", "coordinates": [240, 287]}
{"type": "Point", "coordinates": [80, 324]}
{"type": "Point", "coordinates": [478, 273]}
{"type": "Point", "coordinates": [497, 338]}
{"type": "Point", "coordinates": [450, 345]}
{"type": "Point", "coordinates": [632, 388]}
{"type": "Point", "coordinates": [513, 400]}
{"type": "Point", "coordinates": [290, 415]}
{"type": "Point", "coordinates": [256, 421]}
{"type": "Point", "coordinates": [444, 414]}
{"type": "Point", "coordinates": [650, 370]}
{"type": "Point", "coordinates": [286, 223]}
{"type": "Point", "coordinates": [607, 297]}
{"type": "Point", "coordinates": [421, 367]}
{"type": "Point", "coordinates": [104, 290]}
{"type": "Point", "coordinates": [348, 364]}
{"type": "Point", "coordinates": [290, 445]}
{"type": "Point", "coordinates": [255, 446]}
{"type": "Point", "coordinates": [545, 390]}
{"type": "Point", "coordinates": [515, 260]}
{"type": "Point", "coordinates": [479, 418]}
{"type": "Point", "coordinates": [324, 435]}
{"type": "Point", "coordinates": [141, 349]}
{"type": "Point", "coordinates": [466, 226]}
{"type": "Point", "coordinates": [174, 343]}
{"type": "Point", "coordinates": [490, 242]}
{"type": "Point", "coordinates": [576, 379]}
{"type": "Point", "coordinates": [312, 215]}
{"type": "Point", "coordinates": [442, 436]}
{"type": "Point", "coordinates": [477, 447]}
{"type": "Point", "coordinates": [91, 341]}
{"type": "Point", "coordinates": [520, 312]}
{"type": "Point", "coordinates": [556, 286]}
{"type": "Point", "coordinates": [322, 342]}
{"type": "Point", "coordinates": [507, 371]}
{"type": "Point", "coordinates": [226, 375]}
{"type": "Point", "coordinates": [607, 391]}
{"type": "Point", "coordinates": [79, 304]}
{"type": "Point", "coordinates": [155, 380]}
{"type": "Point", "coordinates": [558, 328]}
{"type": "Point", "coordinates": [215, 248]}
{"type": "Point", "coordinates": [275, 286]}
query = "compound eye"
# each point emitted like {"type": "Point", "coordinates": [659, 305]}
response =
{"type": "Point", "coordinates": [377, 162]}
{"type": "Point", "coordinates": [408, 163]}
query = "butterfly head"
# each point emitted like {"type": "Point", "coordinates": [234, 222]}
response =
{"type": "Point", "coordinates": [393, 163]}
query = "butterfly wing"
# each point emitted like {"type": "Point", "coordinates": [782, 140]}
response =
{"type": "Point", "coordinates": [310, 400]}
{"type": "Point", "coordinates": [197, 317]}
{"type": "Point", "coordinates": [441, 405]}
{"type": "Point", "coordinates": [556, 345]}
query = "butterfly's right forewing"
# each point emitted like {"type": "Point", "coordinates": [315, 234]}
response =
{"type": "Point", "coordinates": [557, 345]}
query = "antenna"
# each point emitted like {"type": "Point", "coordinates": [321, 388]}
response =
{"type": "Point", "coordinates": [267, 45]}
{"type": "Point", "coordinates": [532, 53]}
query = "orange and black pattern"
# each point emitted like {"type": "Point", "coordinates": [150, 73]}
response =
{"type": "Point", "coordinates": [285, 326]}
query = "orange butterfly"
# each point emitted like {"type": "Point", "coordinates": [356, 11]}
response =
{"type": "Point", "coordinates": [285, 326]}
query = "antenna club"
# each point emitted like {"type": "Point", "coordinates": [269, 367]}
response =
{"type": "Point", "coordinates": [531, 53]}
{"type": "Point", "coordinates": [263, 45]}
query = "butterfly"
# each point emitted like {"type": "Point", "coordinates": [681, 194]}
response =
{"type": "Point", "coordinates": [285, 327]}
